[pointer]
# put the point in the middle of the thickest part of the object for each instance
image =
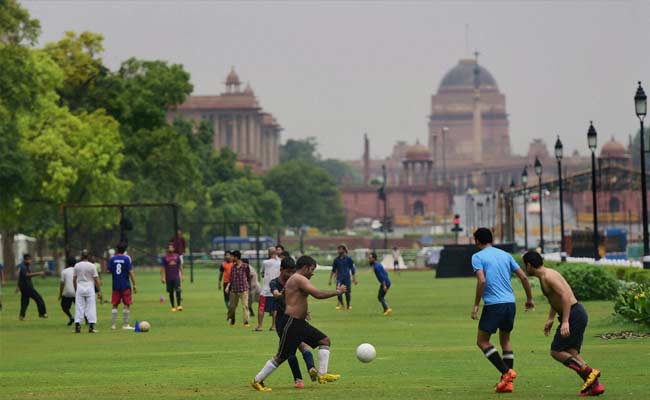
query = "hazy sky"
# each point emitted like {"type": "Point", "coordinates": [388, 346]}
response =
{"type": "Point", "coordinates": [335, 70]}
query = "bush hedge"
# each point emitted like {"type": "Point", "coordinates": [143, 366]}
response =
{"type": "Point", "coordinates": [634, 304]}
{"type": "Point", "coordinates": [590, 282]}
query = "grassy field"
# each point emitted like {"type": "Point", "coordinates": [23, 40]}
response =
{"type": "Point", "coordinates": [425, 349]}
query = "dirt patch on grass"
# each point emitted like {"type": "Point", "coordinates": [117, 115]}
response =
{"type": "Point", "coordinates": [624, 335]}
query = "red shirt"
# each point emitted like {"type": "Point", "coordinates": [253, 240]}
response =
{"type": "Point", "coordinates": [239, 278]}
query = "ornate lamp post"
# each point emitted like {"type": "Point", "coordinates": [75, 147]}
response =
{"type": "Point", "coordinates": [559, 153]}
{"type": "Point", "coordinates": [538, 171]}
{"type": "Point", "coordinates": [524, 183]}
{"type": "Point", "coordinates": [592, 139]}
{"type": "Point", "coordinates": [641, 108]}
{"type": "Point", "coordinates": [501, 209]}
{"type": "Point", "coordinates": [512, 211]}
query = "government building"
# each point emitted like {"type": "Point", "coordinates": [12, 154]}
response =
{"type": "Point", "coordinates": [238, 121]}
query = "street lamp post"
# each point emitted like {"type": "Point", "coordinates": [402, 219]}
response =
{"type": "Point", "coordinates": [641, 108]}
{"type": "Point", "coordinates": [538, 171]}
{"type": "Point", "coordinates": [501, 209]}
{"type": "Point", "coordinates": [385, 198]}
{"type": "Point", "coordinates": [558, 155]}
{"type": "Point", "coordinates": [592, 139]}
{"type": "Point", "coordinates": [524, 183]}
{"type": "Point", "coordinates": [512, 211]}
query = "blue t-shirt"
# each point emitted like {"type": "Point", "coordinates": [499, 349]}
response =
{"type": "Point", "coordinates": [381, 274]}
{"type": "Point", "coordinates": [120, 265]}
{"type": "Point", "coordinates": [343, 267]}
{"type": "Point", "coordinates": [497, 265]}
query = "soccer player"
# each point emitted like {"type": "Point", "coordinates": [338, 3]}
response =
{"type": "Point", "coordinates": [493, 268]}
{"type": "Point", "coordinates": [238, 288]}
{"type": "Point", "coordinates": [85, 280]}
{"type": "Point", "coordinates": [295, 328]}
{"type": "Point", "coordinates": [27, 290]}
{"type": "Point", "coordinates": [270, 271]}
{"type": "Point", "coordinates": [66, 288]}
{"type": "Point", "coordinates": [396, 257]}
{"type": "Point", "coordinates": [171, 274]}
{"type": "Point", "coordinates": [224, 274]}
{"type": "Point", "coordinates": [343, 267]}
{"type": "Point", "coordinates": [121, 269]}
{"type": "Point", "coordinates": [384, 281]}
{"type": "Point", "coordinates": [287, 268]}
{"type": "Point", "coordinates": [573, 318]}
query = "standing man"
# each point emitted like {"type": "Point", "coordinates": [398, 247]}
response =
{"type": "Point", "coordinates": [179, 244]}
{"type": "Point", "coordinates": [396, 257]}
{"type": "Point", "coordinates": [270, 271]}
{"type": "Point", "coordinates": [27, 290]}
{"type": "Point", "coordinates": [171, 274]}
{"type": "Point", "coordinates": [343, 268]}
{"type": "Point", "coordinates": [85, 280]}
{"type": "Point", "coordinates": [121, 269]}
{"type": "Point", "coordinates": [384, 281]}
{"type": "Point", "coordinates": [295, 328]}
{"type": "Point", "coordinates": [238, 287]}
{"type": "Point", "coordinates": [224, 274]}
{"type": "Point", "coordinates": [493, 268]}
{"type": "Point", "coordinates": [279, 251]}
{"type": "Point", "coordinates": [66, 288]}
{"type": "Point", "coordinates": [573, 319]}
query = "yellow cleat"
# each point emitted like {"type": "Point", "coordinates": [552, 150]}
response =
{"type": "Point", "coordinates": [259, 386]}
{"type": "Point", "coordinates": [338, 307]}
{"type": "Point", "coordinates": [325, 378]}
{"type": "Point", "coordinates": [179, 308]}
{"type": "Point", "coordinates": [313, 374]}
{"type": "Point", "coordinates": [349, 308]}
{"type": "Point", "coordinates": [174, 309]}
{"type": "Point", "coordinates": [593, 375]}
{"type": "Point", "coordinates": [388, 312]}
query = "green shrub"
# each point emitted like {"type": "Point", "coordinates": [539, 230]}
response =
{"type": "Point", "coordinates": [630, 274]}
{"type": "Point", "coordinates": [590, 282]}
{"type": "Point", "coordinates": [634, 304]}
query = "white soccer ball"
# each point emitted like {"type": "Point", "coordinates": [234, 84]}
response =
{"type": "Point", "coordinates": [145, 326]}
{"type": "Point", "coordinates": [366, 352]}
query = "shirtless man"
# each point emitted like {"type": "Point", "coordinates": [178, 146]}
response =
{"type": "Point", "coordinates": [566, 344]}
{"type": "Point", "coordinates": [295, 328]}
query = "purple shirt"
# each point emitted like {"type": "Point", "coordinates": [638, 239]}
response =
{"type": "Point", "coordinates": [172, 264]}
{"type": "Point", "coordinates": [120, 265]}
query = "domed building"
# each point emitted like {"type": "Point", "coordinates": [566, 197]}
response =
{"type": "Point", "coordinates": [614, 153]}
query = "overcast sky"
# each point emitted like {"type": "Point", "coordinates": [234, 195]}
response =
{"type": "Point", "coordinates": [335, 70]}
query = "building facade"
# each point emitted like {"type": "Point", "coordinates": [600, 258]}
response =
{"type": "Point", "coordinates": [239, 123]}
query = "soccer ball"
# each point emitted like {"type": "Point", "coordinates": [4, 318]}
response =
{"type": "Point", "coordinates": [145, 326]}
{"type": "Point", "coordinates": [366, 352]}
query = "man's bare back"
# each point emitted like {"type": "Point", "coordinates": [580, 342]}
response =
{"type": "Point", "coordinates": [555, 288]}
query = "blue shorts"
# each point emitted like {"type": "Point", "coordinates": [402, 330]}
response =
{"type": "Point", "coordinates": [348, 284]}
{"type": "Point", "coordinates": [267, 304]}
{"type": "Point", "coordinates": [498, 316]}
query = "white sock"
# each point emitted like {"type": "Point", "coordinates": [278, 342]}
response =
{"type": "Point", "coordinates": [266, 371]}
{"type": "Point", "coordinates": [113, 316]}
{"type": "Point", "coordinates": [323, 359]}
{"type": "Point", "coordinates": [125, 316]}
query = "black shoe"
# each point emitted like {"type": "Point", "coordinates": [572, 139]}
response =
{"type": "Point", "coordinates": [71, 321]}
{"type": "Point", "coordinates": [77, 328]}
{"type": "Point", "coordinates": [44, 316]}
{"type": "Point", "coordinates": [92, 329]}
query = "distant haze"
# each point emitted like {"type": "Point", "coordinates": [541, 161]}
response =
{"type": "Point", "coordinates": [335, 70]}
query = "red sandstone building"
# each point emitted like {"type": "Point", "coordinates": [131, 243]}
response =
{"type": "Point", "coordinates": [238, 121]}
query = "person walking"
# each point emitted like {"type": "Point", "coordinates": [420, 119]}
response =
{"type": "Point", "coordinates": [238, 288]}
{"type": "Point", "coordinates": [26, 288]}
{"type": "Point", "coordinates": [224, 275]}
{"type": "Point", "coordinates": [86, 279]}
{"type": "Point", "coordinates": [270, 271]}
{"type": "Point", "coordinates": [66, 288]}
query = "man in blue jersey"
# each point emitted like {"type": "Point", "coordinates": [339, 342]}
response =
{"type": "Point", "coordinates": [493, 268]}
{"type": "Point", "coordinates": [343, 268]}
{"type": "Point", "coordinates": [122, 270]}
{"type": "Point", "coordinates": [384, 281]}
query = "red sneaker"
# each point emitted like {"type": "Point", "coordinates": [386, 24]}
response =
{"type": "Point", "coordinates": [506, 387]}
{"type": "Point", "coordinates": [299, 384]}
{"type": "Point", "coordinates": [595, 390]}
{"type": "Point", "coordinates": [506, 382]}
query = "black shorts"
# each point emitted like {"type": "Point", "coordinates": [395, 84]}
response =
{"type": "Point", "coordinates": [498, 316]}
{"type": "Point", "coordinates": [66, 302]}
{"type": "Point", "coordinates": [292, 332]}
{"type": "Point", "coordinates": [577, 324]}
{"type": "Point", "coordinates": [173, 285]}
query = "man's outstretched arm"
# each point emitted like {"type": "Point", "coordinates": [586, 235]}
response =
{"type": "Point", "coordinates": [321, 294]}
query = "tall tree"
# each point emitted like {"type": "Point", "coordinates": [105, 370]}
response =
{"type": "Point", "coordinates": [300, 150]}
{"type": "Point", "coordinates": [309, 195]}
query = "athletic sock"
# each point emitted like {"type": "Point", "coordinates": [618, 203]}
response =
{"type": "Point", "coordinates": [113, 316]}
{"type": "Point", "coordinates": [509, 359]}
{"type": "Point", "coordinates": [125, 316]}
{"type": "Point", "coordinates": [178, 297]}
{"type": "Point", "coordinates": [309, 358]}
{"type": "Point", "coordinates": [582, 370]}
{"type": "Point", "coordinates": [171, 298]}
{"type": "Point", "coordinates": [323, 359]}
{"type": "Point", "coordinates": [268, 369]}
{"type": "Point", "coordinates": [295, 368]}
{"type": "Point", "coordinates": [347, 299]}
{"type": "Point", "coordinates": [493, 355]}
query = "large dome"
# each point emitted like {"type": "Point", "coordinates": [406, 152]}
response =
{"type": "Point", "coordinates": [462, 77]}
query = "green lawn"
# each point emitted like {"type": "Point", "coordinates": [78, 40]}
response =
{"type": "Point", "coordinates": [425, 349]}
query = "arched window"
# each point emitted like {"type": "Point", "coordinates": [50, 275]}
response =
{"type": "Point", "coordinates": [614, 205]}
{"type": "Point", "coordinates": [418, 208]}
